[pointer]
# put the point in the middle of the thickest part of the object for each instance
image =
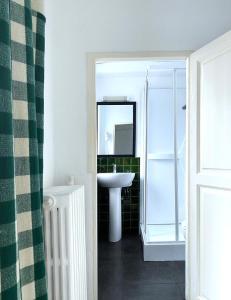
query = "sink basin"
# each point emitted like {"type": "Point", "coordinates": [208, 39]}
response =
{"type": "Point", "coordinates": [115, 180]}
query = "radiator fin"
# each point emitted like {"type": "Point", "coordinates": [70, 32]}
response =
{"type": "Point", "coordinates": [65, 243]}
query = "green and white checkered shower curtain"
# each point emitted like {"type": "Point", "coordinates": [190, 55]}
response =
{"type": "Point", "coordinates": [22, 266]}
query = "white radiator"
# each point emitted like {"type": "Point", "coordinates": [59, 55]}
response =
{"type": "Point", "coordinates": [65, 245]}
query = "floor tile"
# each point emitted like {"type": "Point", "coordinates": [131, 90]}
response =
{"type": "Point", "coordinates": [123, 274]}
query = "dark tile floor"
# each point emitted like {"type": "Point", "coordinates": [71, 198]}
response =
{"type": "Point", "coordinates": [123, 275]}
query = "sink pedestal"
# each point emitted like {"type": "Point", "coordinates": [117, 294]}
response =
{"type": "Point", "coordinates": [115, 220]}
{"type": "Point", "coordinates": [115, 182]}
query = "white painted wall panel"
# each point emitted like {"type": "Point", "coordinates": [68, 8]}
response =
{"type": "Point", "coordinates": [216, 109]}
{"type": "Point", "coordinates": [215, 243]}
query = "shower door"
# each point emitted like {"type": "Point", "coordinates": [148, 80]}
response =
{"type": "Point", "coordinates": [165, 153]}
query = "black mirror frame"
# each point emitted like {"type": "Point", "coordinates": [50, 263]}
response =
{"type": "Point", "coordinates": [133, 103]}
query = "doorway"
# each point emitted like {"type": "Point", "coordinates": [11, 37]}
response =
{"type": "Point", "coordinates": [113, 255]}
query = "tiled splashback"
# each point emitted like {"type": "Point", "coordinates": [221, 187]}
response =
{"type": "Point", "coordinates": [130, 195]}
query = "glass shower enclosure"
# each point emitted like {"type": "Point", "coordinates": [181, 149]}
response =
{"type": "Point", "coordinates": [163, 207]}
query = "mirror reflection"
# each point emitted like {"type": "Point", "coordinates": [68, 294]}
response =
{"type": "Point", "coordinates": [116, 128]}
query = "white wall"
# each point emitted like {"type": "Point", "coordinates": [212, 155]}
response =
{"type": "Point", "coordinates": [49, 101]}
{"type": "Point", "coordinates": [77, 27]}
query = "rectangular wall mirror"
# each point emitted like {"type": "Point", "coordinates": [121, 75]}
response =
{"type": "Point", "coordinates": [116, 128]}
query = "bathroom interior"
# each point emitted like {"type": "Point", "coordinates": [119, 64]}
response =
{"type": "Point", "coordinates": [141, 115]}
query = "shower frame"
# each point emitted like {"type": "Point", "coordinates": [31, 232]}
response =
{"type": "Point", "coordinates": [145, 194]}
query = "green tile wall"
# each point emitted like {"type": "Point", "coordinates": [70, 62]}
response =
{"type": "Point", "coordinates": [130, 195]}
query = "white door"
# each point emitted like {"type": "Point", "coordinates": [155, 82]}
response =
{"type": "Point", "coordinates": [209, 184]}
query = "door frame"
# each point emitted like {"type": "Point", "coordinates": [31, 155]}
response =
{"type": "Point", "coordinates": [92, 59]}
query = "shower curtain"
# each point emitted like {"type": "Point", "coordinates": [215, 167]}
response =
{"type": "Point", "coordinates": [22, 265]}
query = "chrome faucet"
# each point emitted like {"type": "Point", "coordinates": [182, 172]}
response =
{"type": "Point", "coordinates": [114, 168]}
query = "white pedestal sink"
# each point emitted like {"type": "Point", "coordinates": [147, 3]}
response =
{"type": "Point", "coordinates": [115, 182]}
